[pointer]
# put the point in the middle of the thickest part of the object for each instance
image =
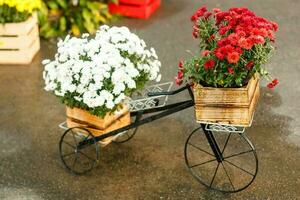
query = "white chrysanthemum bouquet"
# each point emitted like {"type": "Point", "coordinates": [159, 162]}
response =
{"type": "Point", "coordinates": [97, 74]}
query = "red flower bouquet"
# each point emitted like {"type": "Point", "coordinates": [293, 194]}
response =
{"type": "Point", "coordinates": [234, 43]}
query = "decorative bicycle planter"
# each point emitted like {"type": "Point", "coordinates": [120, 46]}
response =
{"type": "Point", "coordinates": [80, 152]}
{"type": "Point", "coordinates": [218, 153]}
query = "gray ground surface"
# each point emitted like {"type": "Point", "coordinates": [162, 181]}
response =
{"type": "Point", "coordinates": [151, 166]}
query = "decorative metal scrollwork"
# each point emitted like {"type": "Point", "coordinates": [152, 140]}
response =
{"type": "Point", "coordinates": [224, 128]}
{"type": "Point", "coordinates": [141, 101]}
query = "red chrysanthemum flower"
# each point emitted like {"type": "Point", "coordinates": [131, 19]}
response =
{"type": "Point", "coordinates": [257, 39]}
{"type": "Point", "coordinates": [223, 42]}
{"type": "Point", "coordinates": [205, 52]}
{"type": "Point", "coordinates": [271, 35]}
{"type": "Point", "coordinates": [239, 50]}
{"type": "Point", "coordinates": [245, 43]}
{"type": "Point", "coordinates": [275, 82]}
{"type": "Point", "coordinates": [224, 30]}
{"type": "Point", "coordinates": [211, 37]}
{"type": "Point", "coordinates": [228, 49]}
{"type": "Point", "coordinates": [219, 54]}
{"type": "Point", "coordinates": [207, 15]}
{"type": "Point", "coordinates": [180, 74]}
{"type": "Point", "coordinates": [199, 13]}
{"type": "Point", "coordinates": [230, 70]}
{"type": "Point", "coordinates": [195, 34]}
{"type": "Point", "coordinates": [209, 64]}
{"type": "Point", "coordinates": [216, 10]}
{"type": "Point", "coordinates": [233, 38]}
{"type": "Point", "coordinates": [194, 18]}
{"type": "Point", "coordinates": [233, 57]}
{"type": "Point", "coordinates": [270, 86]}
{"type": "Point", "coordinates": [241, 33]}
{"type": "Point", "coordinates": [180, 64]}
{"type": "Point", "coordinates": [249, 65]}
{"type": "Point", "coordinates": [178, 81]}
{"type": "Point", "coordinates": [275, 26]}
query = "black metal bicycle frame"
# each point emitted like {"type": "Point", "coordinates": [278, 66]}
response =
{"type": "Point", "coordinates": [163, 112]}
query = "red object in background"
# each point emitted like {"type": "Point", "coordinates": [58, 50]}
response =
{"type": "Point", "coordinates": [135, 8]}
{"type": "Point", "coordinates": [136, 2]}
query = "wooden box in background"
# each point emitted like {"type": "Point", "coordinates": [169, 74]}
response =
{"type": "Point", "coordinates": [19, 42]}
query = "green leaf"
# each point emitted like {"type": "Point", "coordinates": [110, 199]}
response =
{"type": "Point", "coordinates": [52, 4]}
{"type": "Point", "coordinates": [62, 24]}
{"type": "Point", "coordinates": [62, 3]}
{"type": "Point", "coordinates": [86, 14]}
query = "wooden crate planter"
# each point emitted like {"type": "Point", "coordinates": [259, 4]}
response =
{"type": "Point", "coordinates": [233, 106]}
{"type": "Point", "coordinates": [142, 9]}
{"type": "Point", "coordinates": [98, 126]}
{"type": "Point", "coordinates": [19, 42]}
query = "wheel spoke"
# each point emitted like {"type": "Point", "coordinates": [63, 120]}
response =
{"type": "Point", "coordinates": [226, 143]}
{"type": "Point", "coordinates": [69, 144]}
{"type": "Point", "coordinates": [239, 167]}
{"type": "Point", "coordinates": [228, 176]}
{"type": "Point", "coordinates": [67, 155]}
{"type": "Point", "coordinates": [86, 156]}
{"type": "Point", "coordinates": [127, 134]}
{"type": "Point", "coordinates": [200, 149]}
{"type": "Point", "coordinates": [238, 154]}
{"type": "Point", "coordinates": [212, 181]}
{"type": "Point", "coordinates": [203, 163]}
{"type": "Point", "coordinates": [74, 163]}
{"type": "Point", "coordinates": [74, 138]}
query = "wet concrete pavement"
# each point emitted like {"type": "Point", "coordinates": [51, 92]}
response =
{"type": "Point", "coordinates": [151, 166]}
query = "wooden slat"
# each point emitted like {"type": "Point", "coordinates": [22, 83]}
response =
{"type": "Point", "coordinates": [236, 115]}
{"type": "Point", "coordinates": [20, 41]}
{"type": "Point", "coordinates": [22, 28]}
{"type": "Point", "coordinates": [226, 97]}
{"type": "Point", "coordinates": [251, 87]}
{"type": "Point", "coordinates": [97, 122]}
{"type": "Point", "coordinates": [23, 56]}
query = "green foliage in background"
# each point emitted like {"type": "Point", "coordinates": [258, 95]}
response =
{"type": "Point", "coordinates": [11, 14]}
{"type": "Point", "coordinates": [14, 11]}
{"type": "Point", "coordinates": [61, 17]}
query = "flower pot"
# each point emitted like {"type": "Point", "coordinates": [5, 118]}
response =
{"type": "Point", "coordinates": [139, 9]}
{"type": "Point", "coordinates": [233, 106]}
{"type": "Point", "coordinates": [19, 42]}
{"type": "Point", "coordinates": [77, 117]}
